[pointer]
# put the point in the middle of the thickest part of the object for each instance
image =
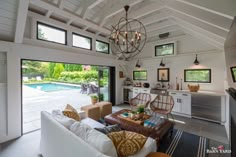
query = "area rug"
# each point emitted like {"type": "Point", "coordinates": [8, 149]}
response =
{"type": "Point", "coordinates": [183, 144]}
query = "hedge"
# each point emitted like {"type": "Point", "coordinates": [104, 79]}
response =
{"type": "Point", "coordinates": [79, 76]}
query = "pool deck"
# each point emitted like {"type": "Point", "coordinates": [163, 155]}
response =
{"type": "Point", "coordinates": [35, 101]}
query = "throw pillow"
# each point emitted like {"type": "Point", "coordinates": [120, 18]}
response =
{"type": "Point", "coordinates": [127, 143]}
{"type": "Point", "coordinates": [101, 142]}
{"type": "Point", "coordinates": [65, 121]}
{"type": "Point", "coordinates": [109, 129]}
{"type": "Point", "coordinates": [71, 112]}
{"type": "Point", "coordinates": [80, 130]}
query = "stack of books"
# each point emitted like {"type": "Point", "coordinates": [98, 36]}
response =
{"type": "Point", "coordinates": [152, 122]}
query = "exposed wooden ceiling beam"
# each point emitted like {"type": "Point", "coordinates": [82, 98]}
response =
{"type": "Point", "coordinates": [21, 20]}
{"type": "Point", "coordinates": [97, 2]}
{"type": "Point", "coordinates": [219, 7]}
{"type": "Point", "coordinates": [85, 6]}
{"type": "Point", "coordinates": [117, 9]}
{"type": "Point", "coordinates": [69, 15]}
{"type": "Point", "coordinates": [61, 4]}
{"type": "Point", "coordinates": [202, 15]}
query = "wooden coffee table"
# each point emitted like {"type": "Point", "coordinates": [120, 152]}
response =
{"type": "Point", "coordinates": [157, 132]}
{"type": "Point", "coordinates": [157, 154]}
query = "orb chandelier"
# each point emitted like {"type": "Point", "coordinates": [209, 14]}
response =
{"type": "Point", "coordinates": [128, 37]}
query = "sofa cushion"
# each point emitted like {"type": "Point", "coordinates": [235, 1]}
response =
{"type": "Point", "coordinates": [101, 142]}
{"type": "Point", "coordinates": [80, 129]}
{"type": "Point", "coordinates": [65, 121]}
{"type": "Point", "coordinates": [109, 129]}
{"type": "Point", "coordinates": [127, 143]}
{"type": "Point", "coordinates": [71, 112]}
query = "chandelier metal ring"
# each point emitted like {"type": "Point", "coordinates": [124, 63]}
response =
{"type": "Point", "coordinates": [128, 37]}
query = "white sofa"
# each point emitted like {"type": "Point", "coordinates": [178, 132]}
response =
{"type": "Point", "coordinates": [59, 141]}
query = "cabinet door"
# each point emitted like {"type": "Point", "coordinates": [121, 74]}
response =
{"type": "Point", "coordinates": [185, 103]}
{"type": "Point", "coordinates": [176, 107]}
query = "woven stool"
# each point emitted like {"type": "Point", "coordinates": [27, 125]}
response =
{"type": "Point", "coordinates": [105, 108]}
{"type": "Point", "coordinates": [92, 111]}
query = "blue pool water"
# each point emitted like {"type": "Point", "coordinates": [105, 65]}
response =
{"type": "Point", "coordinates": [50, 87]}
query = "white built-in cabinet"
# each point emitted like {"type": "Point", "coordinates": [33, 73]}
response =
{"type": "Point", "coordinates": [137, 90]}
{"type": "Point", "coordinates": [182, 103]}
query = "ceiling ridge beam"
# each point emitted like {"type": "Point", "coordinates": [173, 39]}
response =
{"type": "Point", "coordinates": [69, 15]}
{"type": "Point", "coordinates": [206, 9]}
{"type": "Point", "coordinates": [21, 20]}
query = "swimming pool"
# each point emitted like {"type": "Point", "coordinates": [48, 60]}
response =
{"type": "Point", "coordinates": [51, 87]}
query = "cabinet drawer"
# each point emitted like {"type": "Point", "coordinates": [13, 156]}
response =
{"type": "Point", "coordinates": [145, 91]}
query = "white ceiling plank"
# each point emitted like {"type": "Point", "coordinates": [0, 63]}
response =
{"type": "Point", "coordinates": [7, 14]}
{"type": "Point", "coordinates": [201, 15]}
{"type": "Point", "coordinates": [219, 7]}
{"type": "Point", "coordinates": [85, 5]}
{"type": "Point", "coordinates": [8, 6]}
{"type": "Point", "coordinates": [197, 29]}
{"type": "Point", "coordinates": [117, 9]}
{"type": "Point", "coordinates": [97, 2]}
{"type": "Point", "coordinates": [198, 33]}
{"type": "Point", "coordinates": [163, 30]}
{"type": "Point", "coordinates": [69, 15]}
{"type": "Point", "coordinates": [210, 28]}
{"type": "Point", "coordinates": [21, 20]}
{"type": "Point", "coordinates": [148, 9]}
{"type": "Point", "coordinates": [161, 25]}
{"type": "Point", "coordinates": [173, 38]}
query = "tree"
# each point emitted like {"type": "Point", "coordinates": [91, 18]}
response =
{"type": "Point", "coordinates": [57, 70]}
{"type": "Point", "coordinates": [41, 34]}
{"type": "Point", "coordinates": [51, 69]}
{"type": "Point", "coordinates": [31, 67]}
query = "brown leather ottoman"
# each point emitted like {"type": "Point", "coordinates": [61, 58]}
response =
{"type": "Point", "coordinates": [161, 129]}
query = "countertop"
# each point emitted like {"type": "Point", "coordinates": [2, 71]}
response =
{"type": "Point", "coordinates": [213, 93]}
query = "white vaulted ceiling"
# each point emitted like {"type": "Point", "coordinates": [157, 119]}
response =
{"type": "Point", "coordinates": [208, 20]}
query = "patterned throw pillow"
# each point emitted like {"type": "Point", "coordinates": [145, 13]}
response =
{"type": "Point", "coordinates": [71, 112]}
{"type": "Point", "coordinates": [127, 143]}
{"type": "Point", "coordinates": [109, 129]}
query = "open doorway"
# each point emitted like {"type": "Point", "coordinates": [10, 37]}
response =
{"type": "Point", "coordinates": [48, 86]}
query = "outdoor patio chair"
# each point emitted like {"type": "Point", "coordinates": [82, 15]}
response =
{"type": "Point", "coordinates": [141, 98]}
{"type": "Point", "coordinates": [163, 104]}
{"type": "Point", "coordinates": [84, 88]}
{"type": "Point", "coordinates": [92, 89]}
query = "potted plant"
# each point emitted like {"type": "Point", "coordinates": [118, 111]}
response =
{"type": "Point", "coordinates": [94, 99]}
{"type": "Point", "coordinates": [140, 109]}
{"type": "Point", "coordinates": [101, 97]}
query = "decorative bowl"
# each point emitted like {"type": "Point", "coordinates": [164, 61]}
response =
{"type": "Point", "coordinates": [193, 88]}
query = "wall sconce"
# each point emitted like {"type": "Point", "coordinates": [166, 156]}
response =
{"type": "Point", "coordinates": [162, 64]}
{"type": "Point", "coordinates": [196, 62]}
{"type": "Point", "coordinates": [138, 65]}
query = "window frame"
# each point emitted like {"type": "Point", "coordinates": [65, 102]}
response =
{"type": "Point", "coordinates": [53, 27]}
{"type": "Point", "coordinates": [170, 43]}
{"type": "Point", "coordinates": [103, 43]}
{"type": "Point", "coordinates": [185, 70]}
{"type": "Point", "coordinates": [91, 41]}
{"type": "Point", "coordinates": [139, 71]}
{"type": "Point", "coordinates": [232, 73]}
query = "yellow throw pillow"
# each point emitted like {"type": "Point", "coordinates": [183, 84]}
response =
{"type": "Point", "coordinates": [127, 143]}
{"type": "Point", "coordinates": [71, 112]}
